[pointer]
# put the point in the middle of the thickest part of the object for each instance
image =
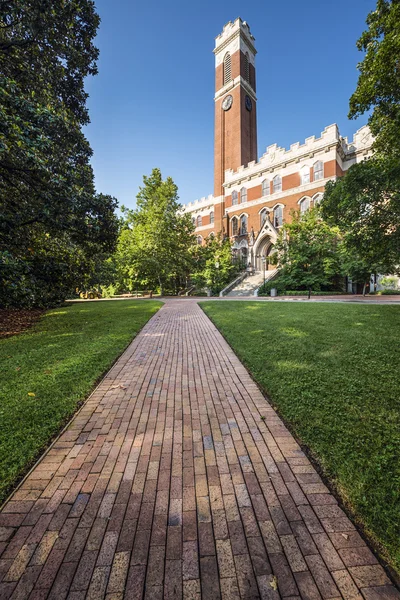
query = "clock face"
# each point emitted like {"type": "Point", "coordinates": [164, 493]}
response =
{"type": "Point", "coordinates": [249, 104]}
{"type": "Point", "coordinates": [227, 102]}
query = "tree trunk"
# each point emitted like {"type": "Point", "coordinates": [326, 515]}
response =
{"type": "Point", "coordinates": [309, 293]}
{"type": "Point", "coordinates": [364, 288]}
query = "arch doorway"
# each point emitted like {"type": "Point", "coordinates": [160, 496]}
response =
{"type": "Point", "coordinates": [264, 251]}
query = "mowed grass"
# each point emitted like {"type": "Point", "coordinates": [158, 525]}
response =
{"type": "Point", "coordinates": [59, 360]}
{"type": "Point", "coordinates": [333, 372]}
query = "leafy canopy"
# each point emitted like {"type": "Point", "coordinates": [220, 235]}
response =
{"type": "Point", "coordinates": [156, 238]}
{"type": "Point", "coordinates": [53, 225]}
{"type": "Point", "coordinates": [365, 203]}
{"type": "Point", "coordinates": [306, 252]}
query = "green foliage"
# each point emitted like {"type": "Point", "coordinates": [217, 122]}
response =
{"type": "Point", "coordinates": [154, 247]}
{"type": "Point", "coordinates": [213, 267]}
{"type": "Point", "coordinates": [59, 360]}
{"type": "Point", "coordinates": [378, 86]}
{"type": "Point", "coordinates": [53, 226]}
{"type": "Point", "coordinates": [332, 371]}
{"type": "Point", "coordinates": [389, 283]}
{"type": "Point", "coordinates": [307, 252]}
{"type": "Point", "coordinates": [365, 205]}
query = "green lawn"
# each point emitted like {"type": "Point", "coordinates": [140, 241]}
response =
{"type": "Point", "coordinates": [59, 360]}
{"type": "Point", "coordinates": [333, 372]}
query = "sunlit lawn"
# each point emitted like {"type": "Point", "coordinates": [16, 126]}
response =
{"type": "Point", "coordinates": [47, 371]}
{"type": "Point", "coordinates": [333, 372]}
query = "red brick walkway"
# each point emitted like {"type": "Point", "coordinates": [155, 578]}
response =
{"type": "Point", "coordinates": [178, 480]}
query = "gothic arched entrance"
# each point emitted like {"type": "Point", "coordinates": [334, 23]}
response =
{"type": "Point", "coordinates": [263, 251]}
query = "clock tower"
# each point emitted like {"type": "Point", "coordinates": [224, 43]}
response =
{"type": "Point", "coordinates": [235, 104]}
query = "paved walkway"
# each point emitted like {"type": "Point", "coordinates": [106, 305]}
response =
{"type": "Point", "coordinates": [178, 480]}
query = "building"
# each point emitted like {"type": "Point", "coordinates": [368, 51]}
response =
{"type": "Point", "coordinates": [254, 197]}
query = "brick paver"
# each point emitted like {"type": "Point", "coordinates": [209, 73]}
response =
{"type": "Point", "coordinates": [178, 480]}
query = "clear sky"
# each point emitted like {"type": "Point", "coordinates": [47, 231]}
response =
{"type": "Point", "coordinates": [152, 103]}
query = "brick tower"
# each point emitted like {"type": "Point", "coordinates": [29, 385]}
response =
{"type": "Point", "coordinates": [235, 105]}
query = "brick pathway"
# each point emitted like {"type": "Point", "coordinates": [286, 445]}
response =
{"type": "Point", "coordinates": [178, 480]}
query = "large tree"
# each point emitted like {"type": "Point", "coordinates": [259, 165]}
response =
{"type": "Point", "coordinates": [47, 196]}
{"type": "Point", "coordinates": [307, 253]}
{"type": "Point", "coordinates": [155, 243]}
{"type": "Point", "coordinates": [365, 203]}
{"type": "Point", "coordinates": [378, 85]}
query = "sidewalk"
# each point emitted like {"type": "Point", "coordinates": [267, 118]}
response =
{"type": "Point", "coordinates": [178, 480]}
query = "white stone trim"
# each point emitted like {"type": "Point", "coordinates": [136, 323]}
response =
{"type": "Point", "coordinates": [233, 84]}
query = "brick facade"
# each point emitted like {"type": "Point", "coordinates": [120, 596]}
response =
{"type": "Point", "coordinates": [300, 172]}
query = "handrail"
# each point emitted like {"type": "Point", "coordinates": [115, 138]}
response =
{"type": "Point", "coordinates": [272, 276]}
{"type": "Point", "coordinates": [233, 284]}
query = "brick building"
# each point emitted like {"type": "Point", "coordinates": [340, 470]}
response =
{"type": "Point", "coordinates": [254, 196]}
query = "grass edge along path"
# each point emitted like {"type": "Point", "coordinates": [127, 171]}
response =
{"type": "Point", "coordinates": [51, 369]}
{"type": "Point", "coordinates": [331, 370]}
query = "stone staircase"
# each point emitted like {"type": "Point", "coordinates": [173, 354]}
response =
{"type": "Point", "coordinates": [249, 285]}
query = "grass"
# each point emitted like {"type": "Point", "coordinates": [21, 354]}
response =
{"type": "Point", "coordinates": [333, 372]}
{"type": "Point", "coordinates": [50, 369]}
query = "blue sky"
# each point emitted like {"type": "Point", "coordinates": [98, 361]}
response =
{"type": "Point", "coordinates": [152, 103]}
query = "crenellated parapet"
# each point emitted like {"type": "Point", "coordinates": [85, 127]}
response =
{"type": "Point", "coordinates": [276, 157]}
{"type": "Point", "coordinates": [199, 205]}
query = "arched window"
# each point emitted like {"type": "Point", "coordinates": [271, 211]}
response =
{"type": "Point", "coordinates": [234, 198]}
{"type": "Point", "coordinates": [199, 221]}
{"type": "Point", "coordinates": [211, 235]}
{"type": "Point", "coordinates": [305, 175]}
{"type": "Point", "coordinates": [278, 216]}
{"type": "Point", "coordinates": [265, 188]}
{"type": "Point", "coordinates": [227, 68]}
{"type": "Point", "coordinates": [317, 199]}
{"type": "Point", "coordinates": [211, 217]}
{"type": "Point", "coordinates": [277, 183]}
{"type": "Point", "coordinates": [199, 240]}
{"type": "Point", "coordinates": [246, 67]}
{"type": "Point", "coordinates": [243, 195]}
{"type": "Point", "coordinates": [318, 170]}
{"type": "Point", "coordinates": [194, 221]}
{"type": "Point", "coordinates": [234, 225]}
{"type": "Point", "coordinates": [243, 225]}
{"type": "Point", "coordinates": [263, 217]}
{"type": "Point", "coordinates": [304, 205]}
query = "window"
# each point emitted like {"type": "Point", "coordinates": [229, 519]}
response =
{"type": "Point", "coordinates": [243, 225]}
{"type": "Point", "coordinates": [194, 221]}
{"type": "Point", "coordinates": [246, 67]}
{"type": "Point", "coordinates": [199, 221]}
{"type": "Point", "coordinates": [318, 170]}
{"type": "Point", "coordinates": [278, 216]}
{"type": "Point", "coordinates": [305, 175]}
{"type": "Point", "coordinates": [199, 240]}
{"type": "Point", "coordinates": [243, 195]}
{"type": "Point", "coordinates": [304, 205]}
{"type": "Point", "coordinates": [211, 235]}
{"type": "Point", "coordinates": [234, 198]}
{"type": "Point", "coordinates": [263, 217]}
{"type": "Point", "coordinates": [227, 68]}
{"type": "Point", "coordinates": [211, 217]}
{"type": "Point", "coordinates": [265, 189]}
{"type": "Point", "coordinates": [317, 199]}
{"type": "Point", "coordinates": [234, 226]}
{"type": "Point", "coordinates": [277, 184]}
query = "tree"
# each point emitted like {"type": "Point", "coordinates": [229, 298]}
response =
{"type": "Point", "coordinates": [213, 267]}
{"type": "Point", "coordinates": [47, 196]}
{"type": "Point", "coordinates": [306, 252]}
{"type": "Point", "coordinates": [378, 85]}
{"type": "Point", "coordinates": [365, 203]}
{"type": "Point", "coordinates": [156, 238]}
